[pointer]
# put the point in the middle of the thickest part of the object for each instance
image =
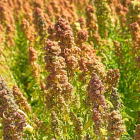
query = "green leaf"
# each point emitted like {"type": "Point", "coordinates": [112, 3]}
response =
{"type": "Point", "coordinates": [109, 103]}
{"type": "Point", "coordinates": [29, 85]}
{"type": "Point", "coordinates": [103, 131]}
{"type": "Point", "coordinates": [88, 124]}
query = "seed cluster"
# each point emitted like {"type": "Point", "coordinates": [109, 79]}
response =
{"type": "Point", "coordinates": [137, 134]}
{"type": "Point", "coordinates": [95, 96]}
{"type": "Point", "coordinates": [115, 99]}
{"type": "Point", "coordinates": [115, 125]}
{"type": "Point", "coordinates": [20, 100]}
{"type": "Point", "coordinates": [57, 80]}
{"type": "Point", "coordinates": [55, 124]}
{"type": "Point", "coordinates": [13, 120]}
{"type": "Point", "coordinates": [112, 78]}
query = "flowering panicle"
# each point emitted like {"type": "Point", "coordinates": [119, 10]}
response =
{"type": "Point", "coordinates": [137, 133]}
{"type": "Point", "coordinates": [104, 16]}
{"type": "Point", "coordinates": [40, 22]}
{"type": "Point", "coordinates": [112, 78]}
{"type": "Point", "coordinates": [42, 84]}
{"type": "Point", "coordinates": [24, 25]}
{"type": "Point", "coordinates": [55, 124]}
{"type": "Point", "coordinates": [28, 11]}
{"type": "Point", "coordinates": [61, 9]}
{"type": "Point", "coordinates": [36, 70]}
{"type": "Point", "coordinates": [38, 124]}
{"type": "Point", "coordinates": [63, 107]}
{"type": "Point", "coordinates": [135, 32]}
{"type": "Point", "coordinates": [82, 36]}
{"type": "Point", "coordinates": [9, 41]}
{"type": "Point", "coordinates": [38, 3]}
{"type": "Point", "coordinates": [78, 125]}
{"type": "Point", "coordinates": [79, 4]}
{"type": "Point", "coordinates": [76, 101]}
{"type": "Point", "coordinates": [6, 14]}
{"type": "Point", "coordinates": [18, 9]}
{"type": "Point", "coordinates": [91, 20]}
{"type": "Point", "coordinates": [115, 125]}
{"type": "Point", "coordinates": [86, 50]}
{"type": "Point", "coordinates": [57, 81]}
{"type": "Point", "coordinates": [32, 56]}
{"type": "Point", "coordinates": [115, 99]}
{"type": "Point", "coordinates": [32, 60]}
{"type": "Point", "coordinates": [11, 4]}
{"type": "Point", "coordinates": [91, 24]}
{"type": "Point", "coordinates": [20, 100]}
{"type": "Point", "coordinates": [1, 34]}
{"type": "Point", "coordinates": [125, 3]}
{"type": "Point", "coordinates": [137, 60]}
{"type": "Point", "coordinates": [56, 8]}
{"type": "Point", "coordinates": [8, 22]}
{"type": "Point", "coordinates": [64, 32]}
{"type": "Point", "coordinates": [43, 89]}
{"type": "Point", "coordinates": [49, 10]}
{"type": "Point", "coordinates": [94, 65]}
{"type": "Point", "coordinates": [79, 128]}
{"type": "Point", "coordinates": [51, 32]}
{"type": "Point", "coordinates": [133, 13]}
{"type": "Point", "coordinates": [95, 91]}
{"type": "Point", "coordinates": [13, 119]}
{"type": "Point", "coordinates": [88, 61]}
{"type": "Point", "coordinates": [69, 15]}
{"type": "Point", "coordinates": [69, 9]}
{"type": "Point", "coordinates": [118, 51]}
{"type": "Point", "coordinates": [113, 4]}
{"type": "Point", "coordinates": [121, 11]}
{"type": "Point", "coordinates": [69, 51]}
{"type": "Point", "coordinates": [82, 22]}
{"type": "Point", "coordinates": [97, 38]}
{"type": "Point", "coordinates": [28, 30]}
{"type": "Point", "coordinates": [87, 137]}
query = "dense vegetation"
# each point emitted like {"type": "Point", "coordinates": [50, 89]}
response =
{"type": "Point", "coordinates": [69, 69]}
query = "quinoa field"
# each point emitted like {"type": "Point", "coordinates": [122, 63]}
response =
{"type": "Point", "coordinates": [69, 69]}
